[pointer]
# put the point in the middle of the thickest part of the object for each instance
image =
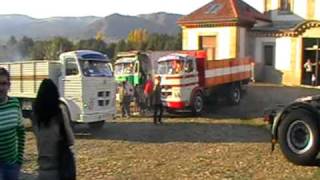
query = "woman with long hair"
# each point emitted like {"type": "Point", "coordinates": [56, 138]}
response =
{"type": "Point", "coordinates": [51, 126]}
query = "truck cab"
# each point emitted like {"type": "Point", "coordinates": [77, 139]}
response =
{"type": "Point", "coordinates": [132, 66]}
{"type": "Point", "coordinates": [188, 77]}
{"type": "Point", "coordinates": [87, 86]}
{"type": "Point", "coordinates": [179, 82]}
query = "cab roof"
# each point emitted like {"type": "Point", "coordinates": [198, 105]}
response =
{"type": "Point", "coordinates": [175, 56]}
{"type": "Point", "coordinates": [88, 55]}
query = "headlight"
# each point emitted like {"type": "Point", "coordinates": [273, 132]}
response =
{"type": "Point", "coordinates": [89, 105]}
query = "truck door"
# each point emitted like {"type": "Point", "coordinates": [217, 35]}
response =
{"type": "Point", "coordinates": [70, 78]}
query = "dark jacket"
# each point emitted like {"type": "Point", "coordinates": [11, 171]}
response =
{"type": "Point", "coordinates": [156, 95]}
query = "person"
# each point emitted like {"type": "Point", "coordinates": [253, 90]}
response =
{"type": "Point", "coordinates": [51, 126]}
{"type": "Point", "coordinates": [309, 71]}
{"type": "Point", "coordinates": [139, 99]}
{"type": "Point", "coordinates": [126, 100]}
{"type": "Point", "coordinates": [89, 68]}
{"type": "Point", "coordinates": [313, 80]}
{"type": "Point", "coordinates": [157, 103]}
{"type": "Point", "coordinates": [12, 132]}
{"type": "Point", "coordinates": [148, 88]}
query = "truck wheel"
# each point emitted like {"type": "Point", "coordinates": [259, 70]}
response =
{"type": "Point", "coordinates": [234, 96]}
{"type": "Point", "coordinates": [96, 125]}
{"type": "Point", "coordinates": [197, 103]}
{"type": "Point", "coordinates": [299, 137]}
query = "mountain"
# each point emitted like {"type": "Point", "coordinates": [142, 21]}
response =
{"type": "Point", "coordinates": [114, 27]}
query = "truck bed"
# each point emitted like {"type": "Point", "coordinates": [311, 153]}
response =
{"type": "Point", "coordinates": [26, 76]}
{"type": "Point", "coordinates": [227, 71]}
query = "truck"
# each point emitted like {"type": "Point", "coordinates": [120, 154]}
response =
{"type": "Point", "coordinates": [84, 78]}
{"type": "Point", "coordinates": [187, 78]}
{"type": "Point", "coordinates": [134, 66]}
{"type": "Point", "coordinates": [296, 127]}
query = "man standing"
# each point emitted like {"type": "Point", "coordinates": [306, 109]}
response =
{"type": "Point", "coordinates": [12, 133]}
{"type": "Point", "coordinates": [127, 93]}
{"type": "Point", "coordinates": [157, 103]}
{"type": "Point", "coordinates": [308, 66]}
{"type": "Point", "coordinates": [148, 88]}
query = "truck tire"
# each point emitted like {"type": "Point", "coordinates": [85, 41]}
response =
{"type": "Point", "coordinates": [234, 96]}
{"type": "Point", "coordinates": [94, 126]}
{"type": "Point", "coordinates": [298, 136]}
{"type": "Point", "coordinates": [197, 103]}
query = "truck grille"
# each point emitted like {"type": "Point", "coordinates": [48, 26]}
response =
{"type": "Point", "coordinates": [103, 98]}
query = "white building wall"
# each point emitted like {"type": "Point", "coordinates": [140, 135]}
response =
{"type": "Point", "coordinates": [242, 43]}
{"type": "Point", "coordinates": [224, 38]}
{"type": "Point", "coordinates": [283, 53]}
{"type": "Point", "coordinates": [317, 11]}
{"type": "Point", "coordinates": [300, 8]}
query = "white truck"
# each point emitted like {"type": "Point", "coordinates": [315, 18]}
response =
{"type": "Point", "coordinates": [84, 79]}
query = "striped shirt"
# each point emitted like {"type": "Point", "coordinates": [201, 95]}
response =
{"type": "Point", "coordinates": [12, 133]}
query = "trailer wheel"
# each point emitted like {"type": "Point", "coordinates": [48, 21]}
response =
{"type": "Point", "coordinates": [299, 137]}
{"type": "Point", "coordinates": [197, 103]}
{"type": "Point", "coordinates": [234, 96]}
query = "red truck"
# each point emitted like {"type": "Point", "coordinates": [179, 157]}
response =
{"type": "Point", "coordinates": [187, 78]}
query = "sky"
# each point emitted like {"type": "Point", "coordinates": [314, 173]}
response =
{"type": "Point", "coordinates": [101, 8]}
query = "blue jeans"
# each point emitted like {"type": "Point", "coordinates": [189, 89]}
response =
{"type": "Point", "coordinates": [9, 171]}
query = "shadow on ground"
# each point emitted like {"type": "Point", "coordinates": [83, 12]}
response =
{"type": "Point", "coordinates": [257, 98]}
{"type": "Point", "coordinates": [27, 176]}
{"type": "Point", "coordinates": [176, 132]}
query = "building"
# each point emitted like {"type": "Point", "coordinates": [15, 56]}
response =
{"type": "Point", "coordinates": [280, 39]}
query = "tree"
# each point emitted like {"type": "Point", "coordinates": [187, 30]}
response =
{"type": "Point", "coordinates": [137, 39]}
{"type": "Point", "coordinates": [92, 44]}
{"type": "Point", "coordinates": [25, 46]}
{"type": "Point", "coordinates": [100, 36]}
{"type": "Point", "coordinates": [12, 41]}
{"type": "Point", "coordinates": [38, 50]}
{"type": "Point", "coordinates": [57, 46]}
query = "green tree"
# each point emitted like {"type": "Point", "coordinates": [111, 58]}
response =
{"type": "Point", "coordinates": [57, 46]}
{"type": "Point", "coordinates": [38, 50]}
{"type": "Point", "coordinates": [25, 46]}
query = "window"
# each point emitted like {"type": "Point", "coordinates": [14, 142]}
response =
{"type": "Point", "coordinates": [208, 43]}
{"type": "Point", "coordinates": [286, 5]}
{"type": "Point", "coordinates": [92, 68]}
{"type": "Point", "coordinates": [188, 66]}
{"type": "Point", "coordinates": [214, 8]}
{"type": "Point", "coordinates": [71, 67]}
{"type": "Point", "coordinates": [268, 54]}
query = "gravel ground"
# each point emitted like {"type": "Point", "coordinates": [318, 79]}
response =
{"type": "Point", "coordinates": [225, 143]}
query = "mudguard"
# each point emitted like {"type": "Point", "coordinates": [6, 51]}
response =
{"type": "Point", "coordinates": [306, 105]}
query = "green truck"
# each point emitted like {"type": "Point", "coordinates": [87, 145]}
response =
{"type": "Point", "coordinates": [134, 66]}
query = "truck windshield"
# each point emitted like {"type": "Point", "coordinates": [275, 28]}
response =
{"type": "Point", "coordinates": [92, 68]}
{"type": "Point", "coordinates": [170, 67]}
{"type": "Point", "coordinates": [123, 68]}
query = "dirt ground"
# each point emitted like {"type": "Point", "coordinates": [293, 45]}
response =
{"type": "Point", "coordinates": [224, 143]}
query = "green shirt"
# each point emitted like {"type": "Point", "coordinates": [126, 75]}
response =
{"type": "Point", "coordinates": [12, 133]}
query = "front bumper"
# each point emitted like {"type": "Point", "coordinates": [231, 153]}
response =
{"type": "Point", "coordinates": [96, 117]}
{"type": "Point", "coordinates": [175, 105]}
